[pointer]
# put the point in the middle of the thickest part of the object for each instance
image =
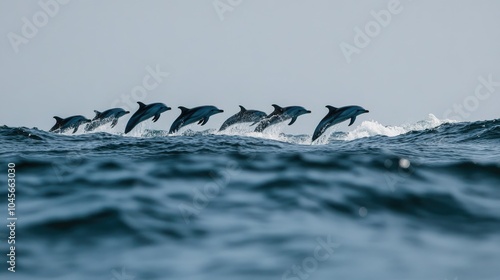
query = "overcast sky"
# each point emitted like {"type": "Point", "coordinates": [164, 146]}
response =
{"type": "Point", "coordinates": [88, 55]}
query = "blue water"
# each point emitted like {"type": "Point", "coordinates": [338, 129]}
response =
{"type": "Point", "coordinates": [416, 201]}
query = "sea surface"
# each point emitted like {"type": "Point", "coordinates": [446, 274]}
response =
{"type": "Point", "coordinates": [415, 201]}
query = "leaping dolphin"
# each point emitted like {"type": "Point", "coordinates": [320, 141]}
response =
{"type": "Point", "coordinates": [244, 116]}
{"type": "Point", "coordinates": [198, 114]}
{"type": "Point", "coordinates": [102, 118]}
{"type": "Point", "coordinates": [145, 112]}
{"type": "Point", "coordinates": [72, 122]}
{"type": "Point", "coordinates": [281, 114]}
{"type": "Point", "coordinates": [337, 115]}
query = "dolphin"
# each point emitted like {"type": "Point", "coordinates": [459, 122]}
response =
{"type": "Point", "coordinates": [102, 118]}
{"type": "Point", "coordinates": [72, 122]}
{"type": "Point", "coordinates": [145, 112]}
{"type": "Point", "coordinates": [337, 115]}
{"type": "Point", "coordinates": [281, 114]}
{"type": "Point", "coordinates": [244, 116]}
{"type": "Point", "coordinates": [198, 114]}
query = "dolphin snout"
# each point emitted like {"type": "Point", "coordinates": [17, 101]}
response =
{"type": "Point", "coordinates": [168, 108]}
{"type": "Point", "coordinates": [127, 112]}
{"type": "Point", "coordinates": [221, 111]}
{"type": "Point", "coordinates": [308, 111]}
{"type": "Point", "coordinates": [366, 111]}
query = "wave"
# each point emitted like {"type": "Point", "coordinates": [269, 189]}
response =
{"type": "Point", "coordinates": [429, 127]}
{"type": "Point", "coordinates": [106, 194]}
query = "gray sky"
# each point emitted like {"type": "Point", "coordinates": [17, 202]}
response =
{"type": "Point", "coordinates": [88, 54]}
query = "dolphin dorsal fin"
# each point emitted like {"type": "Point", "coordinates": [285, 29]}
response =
{"type": "Point", "coordinates": [183, 109]}
{"type": "Point", "coordinates": [58, 119]}
{"type": "Point", "coordinates": [141, 105]}
{"type": "Point", "coordinates": [97, 113]}
{"type": "Point", "coordinates": [242, 108]}
{"type": "Point", "coordinates": [331, 108]}
{"type": "Point", "coordinates": [277, 108]}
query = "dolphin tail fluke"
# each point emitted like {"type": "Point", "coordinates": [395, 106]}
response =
{"type": "Point", "coordinates": [293, 120]}
{"type": "Point", "coordinates": [353, 119]}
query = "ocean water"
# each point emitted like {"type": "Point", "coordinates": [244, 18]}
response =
{"type": "Point", "coordinates": [415, 201]}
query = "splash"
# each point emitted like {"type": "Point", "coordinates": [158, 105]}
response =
{"type": "Point", "coordinates": [374, 128]}
{"type": "Point", "coordinates": [365, 129]}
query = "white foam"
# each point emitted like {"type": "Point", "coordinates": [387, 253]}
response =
{"type": "Point", "coordinates": [373, 128]}
{"type": "Point", "coordinates": [365, 129]}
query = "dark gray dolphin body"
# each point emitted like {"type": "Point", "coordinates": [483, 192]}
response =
{"type": "Point", "coordinates": [102, 118]}
{"type": "Point", "coordinates": [281, 114]}
{"type": "Point", "coordinates": [337, 115]}
{"type": "Point", "coordinates": [244, 116]}
{"type": "Point", "coordinates": [198, 114]}
{"type": "Point", "coordinates": [145, 112]}
{"type": "Point", "coordinates": [72, 122]}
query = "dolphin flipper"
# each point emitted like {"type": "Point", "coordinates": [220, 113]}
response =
{"type": "Point", "coordinates": [293, 120]}
{"type": "Point", "coordinates": [115, 121]}
{"type": "Point", "coordinates": [353, 119]}
{"type": "Point", "coordinates": [156, 117]}
{"type": "Point", "coordinates": [204, 120]}
{"type": "Point", "coordinates": [75, 130]}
